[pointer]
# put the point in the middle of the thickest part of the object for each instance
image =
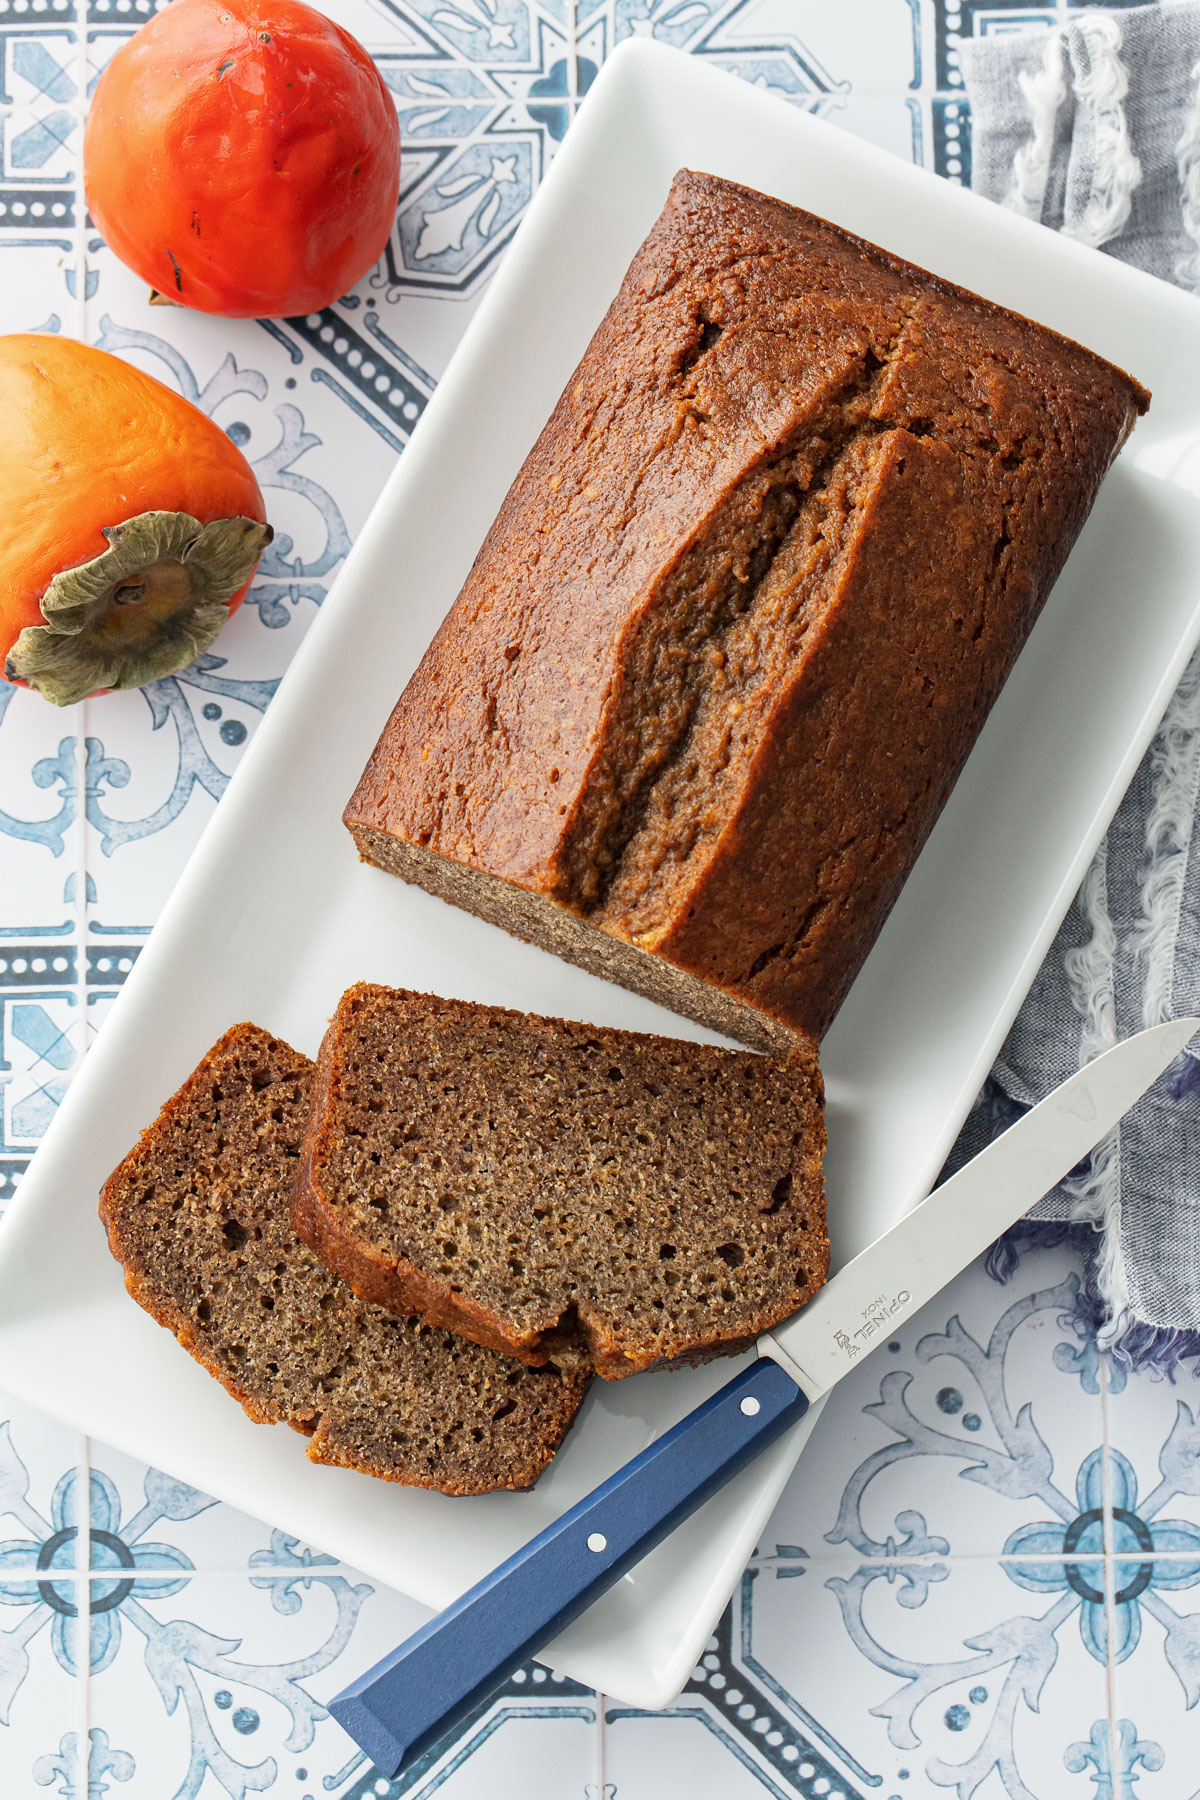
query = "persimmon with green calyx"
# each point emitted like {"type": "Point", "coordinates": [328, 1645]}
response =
{"type": "Point", "coordinates": [132, 524]}
{"type": "Point", "coordinates": [243, 157]}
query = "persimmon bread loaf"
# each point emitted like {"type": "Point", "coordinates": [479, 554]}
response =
{"type": "Point", "coordinates": [561, 1191]}
{"type": "Point", "coordinates": [198, 1215]}
{"type": "Point", "coordinates": [742, 614]}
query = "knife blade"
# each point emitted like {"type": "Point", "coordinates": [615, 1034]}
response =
{"type": "Point", "coordinates": [907, 1266]}
{"type": "Point", "coordinates": [399, 1709]}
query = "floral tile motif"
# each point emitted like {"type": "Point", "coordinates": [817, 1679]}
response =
{"type": "Point", "coordinates": [206, 1681]}
{"type": "Point", "coordinates": [988, 1402]}
{"type": "Point", "coordinates": [34, 294]}
{"type": "Point", "coordinates": [833, 1676]}
{"type": "Point", "coordinates": [39, 813]}
{"type": "Point", "coordinates": [788, 47]}
{"type": "Point", "coordinates": [42, 1624]}
{"type": "Point", "coordinates": [39, 1462]}
{"type": "Point", "coordinates": [223, 1679]}
{"type": "Point", "coordinates": [1162, 1699]}
{"type": "Point", "coordinates": [42, 1699]}
{"type": "Point", "coordinates": [82, 1541]}
{"type": "Point", "coordinates": [1154, 1428]}
{"type": "Point", "coordinates": [209, 1536]}
{"type": "Point", "coordinates": [479, 133]}
{"type": "Point", "coordinates": [195, 1675]}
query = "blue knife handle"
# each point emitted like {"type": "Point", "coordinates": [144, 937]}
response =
{"type": "Point", "coordinates": [401, 1707]}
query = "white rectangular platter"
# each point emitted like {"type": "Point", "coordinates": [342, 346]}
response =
{"type": "Point", "coordinates": [274, 916]}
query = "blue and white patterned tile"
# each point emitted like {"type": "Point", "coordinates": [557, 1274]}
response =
{"type": "Point", "coordinates": [42, 1034]}
{"type": "Point", "coordinates": [34, 294]}
{"type": "Point", "coordinates": [515, 1752]}
{"type": "Point", "coordinates": [1154, 1438]}
{"type": "Point", "coordinates": [876, 76]}
{"type": "Point", "coordinates": [1156, 1674]}
{"type": "Point", "coordinates": [300, 443]}
{"type": "Point", "coordinates": [41, 113]}
{"type": "Point", "coordinates": [40, 842]}
{"type": "Point", "coordinates": [252, 1661]}
{"type": "Point", "coordinates": [254, 1652]}
{"type": "Point", "coordinates": [206, 1534]}
{"type": "Point", "coordinates": [986, 1406]}
{"type": "Point", "coordinates": [791, 47]}
{"type": "Point", "coordinates": [205, 1682]}
{"type": "Point", "coordinates": [678, 1755]}
{"type": "Point", "coordinates": [40, 837]}
{"type": "Point", "coordinates": [40, 834]}
{"type": "Point", "coordinates": [833, 1676]}
{"type": "Point", "coordinates": [41, 1696]}
{"type": "Point", "coordinates": [898, 123]}
{"type": "Point", "coordinates": [40, 1506]}
{"type": "Point", "coordinates": [948, 146]}
{"type": "Point", "coordinates": [477, 89]}
{"type": "Point", "coordinates": [149, 802]}
{"type": "Point", "coordinates": [39, 90]}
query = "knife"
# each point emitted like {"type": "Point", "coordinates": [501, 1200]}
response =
{"type": "Point", "coordinates": [400, 1708]}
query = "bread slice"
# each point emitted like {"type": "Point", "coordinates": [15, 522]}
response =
{"type": "Point", "coordinates": [560, 1191]}
{"type": "Point", "coordinates": [198, 1215]}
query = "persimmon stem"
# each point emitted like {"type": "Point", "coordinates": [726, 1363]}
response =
{"type": "Point", "coordinates": [146, 607]}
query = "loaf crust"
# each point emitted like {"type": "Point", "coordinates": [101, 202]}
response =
{"type": "Point", "coordinates": [562, 1192]}
{"type": "Point", "coordinates": [737, 625]}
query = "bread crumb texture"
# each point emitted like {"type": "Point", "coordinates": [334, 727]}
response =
{"type": "Point", "coordinates": [198, 1214]}
{"type": "Point", "coordinates": [563, 1191]}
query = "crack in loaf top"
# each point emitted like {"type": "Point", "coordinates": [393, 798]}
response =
{"type": "Point", "coordinates": [746, 339]}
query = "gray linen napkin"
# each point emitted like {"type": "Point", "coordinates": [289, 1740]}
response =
{"type": "Point", "coordinates": [1094, 129]}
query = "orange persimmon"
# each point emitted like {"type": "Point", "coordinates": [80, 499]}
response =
{"type": "Point", "coordinates": [133, 524]}
{"type": "Point", "coordinates": [243, 157]}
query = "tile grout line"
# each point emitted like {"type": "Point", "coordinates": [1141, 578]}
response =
{"type": "Point", "coordinates": [601, 1748]}
{"type": "Point", "coordinates": [1110, 1614]}
{"type": "Point", "coordinates": [82, 1593]}
{"type": "Point", "coordinates": [81, 322]}
{"type": "Point", "coordinates": [280, 1571]}
{"type": "Point", "coordinates": [83, 1557]}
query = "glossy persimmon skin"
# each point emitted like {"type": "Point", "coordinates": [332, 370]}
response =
{"type": "Point", "coordinates": [87, 440]}
{"type": "Point", "coordinates": [243, 157]}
